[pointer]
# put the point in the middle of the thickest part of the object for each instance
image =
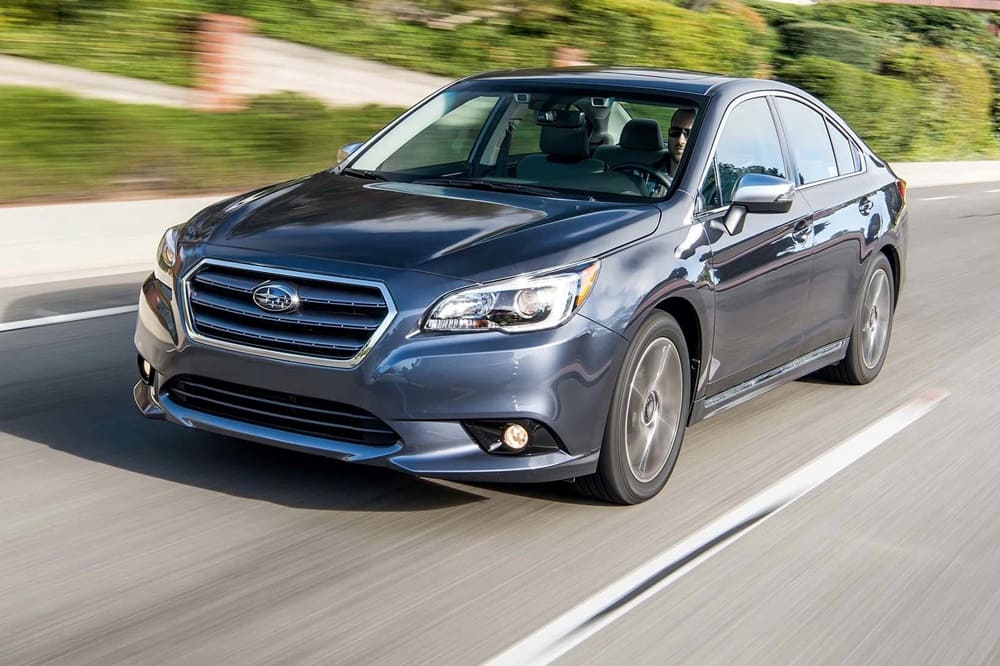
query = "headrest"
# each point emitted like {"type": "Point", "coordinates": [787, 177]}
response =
{"type": "Point", "coordinates": [641, 134]}
{"type": "Point", "coordinates": [564, 142]}
{"type": "Point", "coordinates": [598, 139]}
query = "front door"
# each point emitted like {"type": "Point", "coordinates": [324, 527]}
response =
{"type": "Point", "coordinates": [762, 274]}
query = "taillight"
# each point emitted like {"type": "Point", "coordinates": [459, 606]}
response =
{"type": "Point", "coordinates": [901, 184]}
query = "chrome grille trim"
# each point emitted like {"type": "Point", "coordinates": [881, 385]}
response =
{"type": "Point", "coordinates": [373, 326]}
{"type": "Point", "coordinates": [346, 323]}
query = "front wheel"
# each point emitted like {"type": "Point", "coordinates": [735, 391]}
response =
{"type": "Point", "coordinates": [647, 418]}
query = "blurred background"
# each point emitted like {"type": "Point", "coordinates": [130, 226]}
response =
{"type": "Point", "coordinates": [103, 98]}
{"type": "Point", "coordinates": [124, 540]}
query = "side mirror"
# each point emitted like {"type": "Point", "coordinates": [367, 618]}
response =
{"type": "Point", "coordinates": [758, 193]}
{"type": "Point", "coordinates": [347, 150]}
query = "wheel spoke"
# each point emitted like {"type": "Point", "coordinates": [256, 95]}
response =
{"type": "Point", "coordinates": [646, 451]}
{"type": "Point", "coordinates": [653, 409]}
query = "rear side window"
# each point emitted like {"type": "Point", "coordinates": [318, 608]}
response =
{"type": "Point", "coordinates": [748, 144]}
{"type": "Point", "coordinates": [808, 142]}
{"type": "Point", "coordinates": [848, 157]}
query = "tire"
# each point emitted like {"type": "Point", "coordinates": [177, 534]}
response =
{"type": "Point", "coordinates": [872, 329]}
{"type": "Point", "coordinates": [651, 419]}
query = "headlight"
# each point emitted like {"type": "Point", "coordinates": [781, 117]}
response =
{"type": "Point", "coordinates": [522, 304]}
{"type": "Point", "coordinates": [166, 255]}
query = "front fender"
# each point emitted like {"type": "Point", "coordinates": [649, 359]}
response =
{"type": "Point", "coordinates": [651, 274]}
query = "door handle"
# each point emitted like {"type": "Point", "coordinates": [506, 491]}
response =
{"type": "Point", "coordinates": [800, 233]}
{"type": "Point", "coordinates": [865, 205]}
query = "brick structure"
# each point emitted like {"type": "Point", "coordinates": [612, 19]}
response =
{"type": "Point", "coordinates": [569, 56]}
{"type": "Point", "coordinates": [218, 67]}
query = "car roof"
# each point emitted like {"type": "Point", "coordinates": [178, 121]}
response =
{"type": "Point", "coordinates": [647, 79]}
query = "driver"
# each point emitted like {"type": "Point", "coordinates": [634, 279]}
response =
{"type": "Point", "coordinates": [677, 136]}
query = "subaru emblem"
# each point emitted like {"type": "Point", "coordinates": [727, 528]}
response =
{"type": "Point", "coordinates": [275, 297]}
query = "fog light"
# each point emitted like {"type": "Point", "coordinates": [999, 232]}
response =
{"type": "Point", "coordinates": [512, 437]}
{"type": "Point", "coordinates": [145, 370]}
{"type": "Point", "coordinates": [515, 436]}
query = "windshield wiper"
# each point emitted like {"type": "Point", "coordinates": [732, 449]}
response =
{"type": "Point", "coordinates": [363, 173]}
{"type": "Point", "coordinates": [498, 186]}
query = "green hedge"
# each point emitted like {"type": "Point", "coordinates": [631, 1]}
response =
{"type": "Point", "coordinates": [957, 94]}
{"type": "Point", "coordinates": [139, 38]}
{"type": "Point", "coordinates": [827, 40]}
{"type": "Point", "coordinates": [879, 108]}
{"type": "Point", "coordinates": [931, 112]}
{"type": "Point", "coordinates": [57, 146]}
{"type": "Point", "coordinates": [730, 38]}
{"type": "Point", "coordinates": [892, 23]}
{"type": "Point", "coordinates": [154, 39]}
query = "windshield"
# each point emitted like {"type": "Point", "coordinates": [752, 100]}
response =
{"type": "Point", "coordinates": [577, 142]}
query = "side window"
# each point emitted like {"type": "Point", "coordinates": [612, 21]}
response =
{"type": "Point", "coordinates": [447, 140]}
{"type": "Point", "coordinates": [848, 157]}
{"type": "Point", "coordinates": [808, 141]}
{"type": "Point", "coordinates": [748, 144]}
{"type": "Point", "coordinates": [710, 189]}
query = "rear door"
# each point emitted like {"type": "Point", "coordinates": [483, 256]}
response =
{"type": "Point", "coordinates": [762, 274]}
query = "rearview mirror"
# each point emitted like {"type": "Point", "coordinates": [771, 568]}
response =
{"type": "Point", "coordinates": [347, 150]}
{"type": "Point", "coordinates": [758, 193]}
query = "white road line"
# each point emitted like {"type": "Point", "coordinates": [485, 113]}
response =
{"type": "Point", "coordinates": [587, 618]}
{"type": "Point", "coordinates": [938, 198]}
{"type": "Point", "coordinates": [992, 191]}
{"type": "Point", "coordinates": [63, 318]}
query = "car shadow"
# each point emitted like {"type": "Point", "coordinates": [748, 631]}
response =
{"type": "Point", "coordinates": [816, 379]}
{"type": "Point", "coordinates": [562, 492]}
{"type": "Point", "coordinates": [96, 420]}
{"type": "Point", "coordinates": [69, 387]}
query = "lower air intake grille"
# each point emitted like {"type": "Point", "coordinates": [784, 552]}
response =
{"type": "Point", "coordinates": [283, 411]}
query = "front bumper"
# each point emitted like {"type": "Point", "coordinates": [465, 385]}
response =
{"type": "Point", "coordinates": [423, 386]}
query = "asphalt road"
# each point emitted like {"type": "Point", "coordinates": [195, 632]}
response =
{"type": "Point", "coordinates": [128, 541]}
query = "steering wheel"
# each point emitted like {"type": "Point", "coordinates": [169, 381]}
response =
{"type": "Point", "coordinates": [654, 183]}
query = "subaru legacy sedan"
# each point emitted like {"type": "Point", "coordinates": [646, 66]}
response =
{"type": "Point", "coordinates": [534, 275]}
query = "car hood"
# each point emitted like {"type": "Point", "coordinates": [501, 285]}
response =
{"type": "Point", "coordinates": [450, 231]}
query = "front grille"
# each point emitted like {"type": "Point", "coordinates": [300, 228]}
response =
{"type": "Point", "coordinates": [333, 321]}
{"type": "Point", "coordinates": [284, 411]}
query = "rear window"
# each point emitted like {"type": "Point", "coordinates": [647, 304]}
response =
{"type": "Point", "coordinates": [808, 142]}
{"type": "Point", "coordinates": [847, 154]}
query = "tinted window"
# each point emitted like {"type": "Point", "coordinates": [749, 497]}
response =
{"type": "Point", "coordinates": [749, 144]}
{"type": "Point", "coordinates": [808, 141]}
{"type": "Point", "coordinates": [447, 140]}
{"type": "Point", "coordinates": [541, 135]}
{"type": "Point", "coordinates": [848, 159]}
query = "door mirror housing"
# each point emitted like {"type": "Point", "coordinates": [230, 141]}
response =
{"type": "Point", "coordinates": [758, 193]}
{"type": "Point", "coordinates": [347, 150]}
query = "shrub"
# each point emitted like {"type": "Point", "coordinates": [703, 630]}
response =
{"type": "Point", "coordinates": [58, 146]}
{"type": "Point", "coordinates": [835, 42]}
{"type": "Point", "coordinates": [879, 108]}
{"type": "Point", "coordinates": [936, 26]}
{"type": "Point", "coordinates": [957, 93]}
{"type": "Point", "coordinates": [731, 38]}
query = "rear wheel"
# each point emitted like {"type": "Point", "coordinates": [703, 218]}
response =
{"type": "Point", "coordinates": [869, 340]}
{"type": "Point", "coordinates": [647, 418]}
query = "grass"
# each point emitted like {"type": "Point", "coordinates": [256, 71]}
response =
{"type": "Point", "coordinates": [155, 44]}
{"type": "Point", "coordinates": [59, 147]}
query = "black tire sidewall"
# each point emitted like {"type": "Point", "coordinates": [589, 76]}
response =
{"type": "Point", "coordinates": [613, 466]}
{"type": "Point", "coordinates": [855, 355]}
